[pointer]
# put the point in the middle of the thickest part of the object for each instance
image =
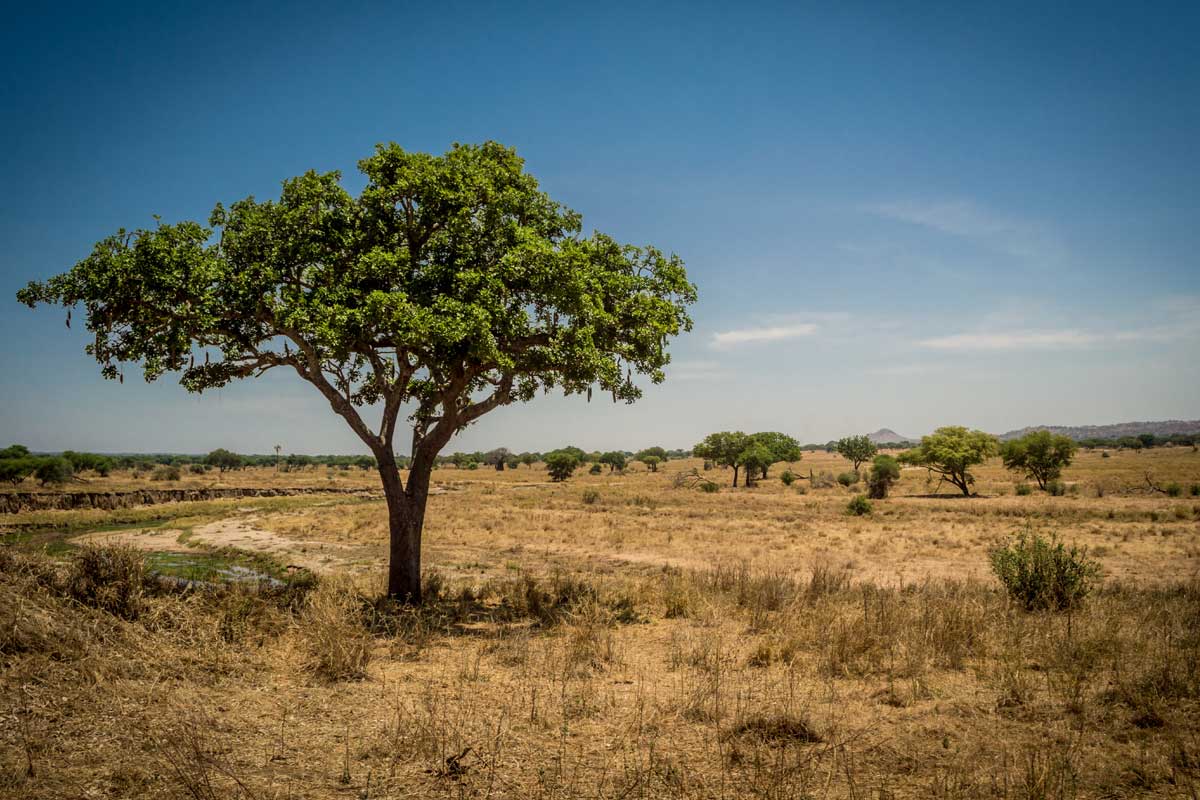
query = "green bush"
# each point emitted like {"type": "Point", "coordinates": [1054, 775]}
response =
{"type": "Point", "coordinates": [1056, 488]}
{"type": "Point", "coordinates": [197, 469]}
{"type": "Point", "coordinates": [1023, 489]}
{"type": "Point", "coordinates": [596, 469]}
{"type": "Point", "coordinates": [1195, 490]}
{"type": "Point", "coordinates": [53, 470]}
{"type": "Point", "coordinates": [858, 506]}
{"type": "Point", "coordinates": [1041, 573]}
{"type": "Point", "coordinates": [590, 497]}
{"type": "Point", "coordinates": [709, 487]}
{"type": "Point", "coordinates": [788, 477]}
{"type": "Point", "coordinates": [848, 478]}
{"type": "Point", "coordinates": [1173, 489]}
{"type": "Point", "coordinates": [885, 471]}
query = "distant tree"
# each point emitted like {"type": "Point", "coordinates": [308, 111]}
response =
{"type": "Point", "coordinates": [1040, 455]}
{"type": "Point", "coordinates": [15, 451]}
{"type": "Point", "coordinates": [856, 449]}
{"type": "Point", "coordinates": [651, 461]}
{"type": "Point", "coordinates": [364, 463]}
{"type": "Point", "coordinates": [724, 449]}
{"type": "Point", "coordinates": [512, 462]}
{"type": "Point", "coordinates": [16, 470]}
{"type": "Point", "coordinates": [780, 446]}
{"type": "Point", "coordinates": [53, 471]}
{"type": "Point", "coordinates": [561, 464]}
{"type": "Point", "coordinates": [529, 459]}
{"type": "Point", "coordinates": [1147, 439]}
{"type": "Point", "coordinates": [224, 460]}
{"type": "Point", "coordinates": [660, 452]}
{"type": "Point", "coordinates": [951, 452]}
{"type": "Point", "coordinates": [885, 471]}
{"type": "Point", "coordinates": [580, 455]}
{"type": "Point", "coordinates": [614, 459]}
{"type": "Point", "coordinates": [497, 458]}
{"type": "Point", "coordinates": [756, 458]}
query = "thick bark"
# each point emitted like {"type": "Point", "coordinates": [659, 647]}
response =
{"type": "Point", "coordinates": [735, 476]}
{"type": "Point", "coordinates": [406, 519]}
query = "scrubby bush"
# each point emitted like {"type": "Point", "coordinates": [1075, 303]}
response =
{"type": "Point", "coordinates": [1023, 489]}
{"type": "Point", "coordinates": [788, 477]}
{"type": "Point", "coordinates": [1194, 491]}
{"type": "Point", "coordinates": [596, 469]}
{"type": "Point", "coordinates": [1041, 573]}
{"type": "Point", "coordinates": [1056, 488]}
{"type": "Point", "coordinates": [197, 469]}
{"type": "Point", "coordinates": [1173, 489]}
{"type": "Point", "coordinates": [590, 497]}
{"type": "Point", "coordinates": [112, 579]}
{"type": "Point", "coordinates": [709, 487]}
{"type": "Point", "coordinates": [165, 473]}
{"type": "Point", "coordinates": [885, 471]}
{"type": "Point", "coordinates": [847, 478]}
{"type": "Point", "coordinates": [822, 480]}
{"type": "Point", "coordinates": [858, 506]}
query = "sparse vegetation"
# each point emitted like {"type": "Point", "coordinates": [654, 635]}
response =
{"type": "Point", "coordinates": [1042, 573]}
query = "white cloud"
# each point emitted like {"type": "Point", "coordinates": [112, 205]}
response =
{"type": "Point", "coordinates": [967, 220]}
{"type": "Point", "coordinates": [726, 339]}
{"type": "Point", "coordinates": [1013, 340]}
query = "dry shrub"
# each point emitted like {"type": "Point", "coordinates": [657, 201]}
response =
{"type": "Point", "coordinates": [110, 578]}
{"type": "Point", "coordinates": [590, 643]}
{"type": "Point", "coordinates": [776, 729]}
{"type": "Point", "coordinates": [331, 628]}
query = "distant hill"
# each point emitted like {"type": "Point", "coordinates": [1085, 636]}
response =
{"type": "Point", "coordinates": [888, 436]}
{"type": "Point", "coordinates": [1077, 432]}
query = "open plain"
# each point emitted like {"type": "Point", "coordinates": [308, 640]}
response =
{"type": "Point", "coordinates": [612, 636]}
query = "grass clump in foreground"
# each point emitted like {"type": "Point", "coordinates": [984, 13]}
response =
{"type": "Point", "coordinates": [1044, 574]}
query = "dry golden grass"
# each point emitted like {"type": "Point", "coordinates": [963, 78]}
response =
{"type": "Point", "coordinates": [657, 642]}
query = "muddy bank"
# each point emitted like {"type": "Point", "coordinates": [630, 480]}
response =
{"type": "Point", "coordinates": [15, 502]}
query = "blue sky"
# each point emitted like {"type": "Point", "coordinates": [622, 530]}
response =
{"type": "Point", "coordinates": [947, 213]}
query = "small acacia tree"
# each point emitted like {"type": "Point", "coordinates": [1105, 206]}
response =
{"type": "Point", "coordinates": [779, 446]}
{"type": "Point", "coordinates": [224, 460]}
{"type": "Point", "coordinates": [756, 458]}
{"type": "Point", "coordinates": [885, 471]}
{"type": "Point", "coordinates": [1040, 455]}
{"type": "Point", "coordinates": [651, 457]}
{"type": "Point", "coordinates": [615, 459]}
{"type": "Point", "coordinates": [856, 449]}
{"type": "Point", "coordinates": [951, 452]}
{"type": "Point", "coordinates": [448, 287]}
{"type": "Point", "coordinates": [724, 449]}
{"type": "Point", "coordinates": [561, 464]}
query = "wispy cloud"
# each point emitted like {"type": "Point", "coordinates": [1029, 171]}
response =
{"type": "Point", "coordinates": [696, 371]}
{"type": "Point", "coordinates": [968, 220]}
{"type": "Point", "coordinates": [1013, 340]}
{"type": "Point", "coordinates": [723, 340]}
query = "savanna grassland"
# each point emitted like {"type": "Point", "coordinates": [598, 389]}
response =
{"type": "Point", "coordinates": [612, 636]}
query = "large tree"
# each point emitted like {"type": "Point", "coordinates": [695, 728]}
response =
{"type": "Point", "coordinates": [1040, 455]}
{"type": "Point", "coordinates": [856, 449]}
{"type": "Point", "coordinates": [780, 447]}
{"type": "Point", "coordinates": [951, 452]}
{"type": "Point", "coordinates": [449, 286]}
{"type": "Point", "coordinates": [724, 449]}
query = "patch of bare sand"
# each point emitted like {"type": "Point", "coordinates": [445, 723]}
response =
{"type": "Point", "coordinates": [243, 534]}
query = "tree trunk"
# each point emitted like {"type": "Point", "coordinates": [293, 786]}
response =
{"type": "Point", "coordinates": [735, 476]}
{"type": "Point", "coordinates": [406, 519]}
